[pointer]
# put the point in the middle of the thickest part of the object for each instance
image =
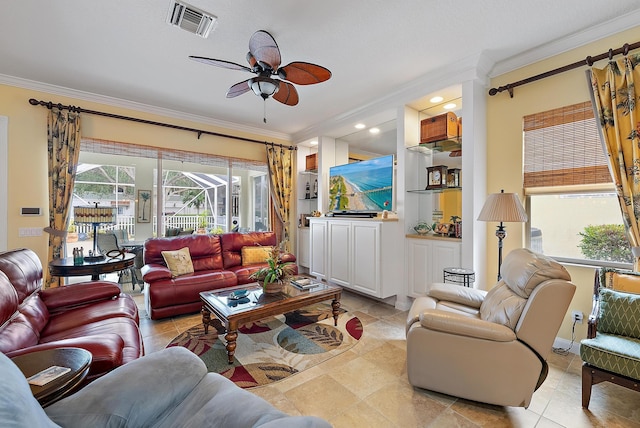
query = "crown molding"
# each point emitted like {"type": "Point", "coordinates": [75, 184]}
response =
{"type": "Point", "coordinates": [131, 105]}
{"type": "Point", "coordinates": [474, 67]}
{"type": "Point", "coordinates": [568, 43]}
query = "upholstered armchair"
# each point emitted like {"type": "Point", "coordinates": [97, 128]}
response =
{"type": "Point", "coordinates": [611, 351]}
{"type": "Point", "coordinates": [490, 346]}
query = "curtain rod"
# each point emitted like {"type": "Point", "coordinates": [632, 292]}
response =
{"type": "Point", "coordinates": [587, 61]}
{"type": "Point", "coordinates": [50, 105]}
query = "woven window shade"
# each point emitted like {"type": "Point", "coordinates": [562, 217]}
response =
{"type": "Point", "coordinates": [562, 148]}
{"type": "Point", "coordinates": [135, 150]}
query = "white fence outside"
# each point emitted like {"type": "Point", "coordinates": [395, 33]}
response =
{"type": "Point", "coordinates": [128, 223]}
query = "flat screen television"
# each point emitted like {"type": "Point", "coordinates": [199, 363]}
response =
{"type": "Point", "coordinates": [362, 186]}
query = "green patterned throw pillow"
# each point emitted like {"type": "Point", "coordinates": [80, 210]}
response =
{"type": "Point", "coordinates": [619, 313]}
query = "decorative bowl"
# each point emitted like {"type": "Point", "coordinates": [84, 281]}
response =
{"type": "Point", "coordinates": [422, 228]}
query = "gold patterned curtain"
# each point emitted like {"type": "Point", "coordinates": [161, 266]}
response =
{"type": "Point", "coordinates": [615, 100]}
{"type": "Point", "coordinates": [63, 143]}
{"type": "Point", "coordinates": [280, 162]}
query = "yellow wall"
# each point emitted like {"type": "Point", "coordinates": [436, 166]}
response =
{"type": "Point", "coordinates": [504, 146]}
{"type": "Point", "coordinates": [27, 150]}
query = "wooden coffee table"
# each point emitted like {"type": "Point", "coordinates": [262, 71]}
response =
{"type": "Point", "coordinates": [256, 306]}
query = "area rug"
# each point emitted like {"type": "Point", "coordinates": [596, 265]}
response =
{"type": "Point", "coordinates": [274, 348]}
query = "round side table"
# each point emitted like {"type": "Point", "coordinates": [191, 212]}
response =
{"type": "Point", "coordinates": [76, 359]}
{"type": "Point", "coordinates": [460, 276]}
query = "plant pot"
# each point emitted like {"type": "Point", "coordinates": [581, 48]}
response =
{"type": "Point", "coordinates": [272, 287]}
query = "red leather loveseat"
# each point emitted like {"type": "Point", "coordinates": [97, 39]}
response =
{"type": "Point", "coordinates": [92, 315]}
{"type": "Point", "coordinates": [217, 263]}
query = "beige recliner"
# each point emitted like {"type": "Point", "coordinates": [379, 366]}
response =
{"type": "Point", "coordinates": [490, 346]}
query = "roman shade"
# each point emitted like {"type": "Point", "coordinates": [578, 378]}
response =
{"type": "Point", "coordinates": [562, 148]}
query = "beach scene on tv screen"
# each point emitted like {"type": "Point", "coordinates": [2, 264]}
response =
{"type": "Point", "coordinates": [365, 185]}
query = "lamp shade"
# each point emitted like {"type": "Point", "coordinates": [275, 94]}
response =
{"type": "Point", "coordinates": [94, 214]}
{"type": "Point", "coordinates": [503, 207]}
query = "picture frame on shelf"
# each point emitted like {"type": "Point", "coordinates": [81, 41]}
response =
{"type": "Point", "coordinates": [436, 177]}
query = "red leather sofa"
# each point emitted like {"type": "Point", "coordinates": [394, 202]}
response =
{"type": "Point", "coordinates": [92, 315]}
{"type": "Point", "coordinates": [217, 263]}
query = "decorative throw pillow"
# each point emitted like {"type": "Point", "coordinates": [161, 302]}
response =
{"type": "Point", "coordinates": [627, 282]}
{"type": "Point", "coordinates": [252, 255]}
{"type": "Point", "coordinates": [619, 313]}
{"type": "Point", "coordinates": [178, 261]}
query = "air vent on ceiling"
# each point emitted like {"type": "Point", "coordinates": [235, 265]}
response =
{"type": "Point", "coordinates": [191, 19]}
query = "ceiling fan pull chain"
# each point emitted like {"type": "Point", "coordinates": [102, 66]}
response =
{"type": "Point", "coordinates": [264, 110]}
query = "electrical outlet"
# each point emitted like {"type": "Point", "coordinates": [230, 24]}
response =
{"type": "Point", "coordinates": [577, 316]}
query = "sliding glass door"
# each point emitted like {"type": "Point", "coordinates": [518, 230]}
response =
{"type": "Point", "coordinates": [194, 192]}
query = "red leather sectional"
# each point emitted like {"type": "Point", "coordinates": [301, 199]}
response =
{"type": "Point", "coordinates": [217, 263]}
{"type": "Point", "coordinates": [93, 315]}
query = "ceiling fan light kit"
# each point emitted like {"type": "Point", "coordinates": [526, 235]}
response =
{"type": "Point", "coordinates": [263, 86]}
{"type": "Point", "coordinates": [264, 60]}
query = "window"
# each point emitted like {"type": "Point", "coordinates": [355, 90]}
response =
{"type": "Point", "coordinates": [108, 185]}
{"type": "Point", "coordinates": [573, 207]}
{"type": "Point", "coordinates": [261, 202]}
{"type": "Point", "coordinates": [214, 192]}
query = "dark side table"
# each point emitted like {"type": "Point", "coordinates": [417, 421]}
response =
{"type": "Point", "coordinates": [66, 267]}
{"type": "Point", "coordinates": [460, 276]}
{"type": "Point", "coordinates": [77, 359]}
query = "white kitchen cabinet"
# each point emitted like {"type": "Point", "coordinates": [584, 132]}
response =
{"type": "Point", "coordinates": [365, 258]}
{"type": "Point", "coordinates": [318, 248]}
{"type": "Point", "coordinates": [340, 250]}
{"type": "Point", "coordinates": [303, 258]}
{"type": "Point", "coordinates": [426, 258]}
{"type": "Point", "coordinates": [364, 255]}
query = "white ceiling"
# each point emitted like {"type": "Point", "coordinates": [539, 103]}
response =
{"type": "Point", "coordinates": [125, 50]}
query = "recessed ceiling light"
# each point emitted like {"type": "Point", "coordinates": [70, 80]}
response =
{"type": "Point", "coordinates": [374, 130]}
{"type": "Point", "coordinates": [360, 126]}
{"type": "Point", "coordinates": [449, 106]}
{"type": "Point", "coordinates": [313, 143]}
{"type": "Point", "coordinates": [436, 99]}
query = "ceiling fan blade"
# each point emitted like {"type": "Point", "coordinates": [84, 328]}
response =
{"type": "Point", "coordinates": [304, 73]}
{"type": "Point", "coordinates": [286, 94]}
{"type": "Point", "coordinates": [265, 50]}
{"type": "Point", "coordinates": [220, 63]}
{"type": "Point", "coordinates": [239, 89]}
{"type": "Point", "coordinates": [251, 60]}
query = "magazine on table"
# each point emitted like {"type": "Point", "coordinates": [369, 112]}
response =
{"type": "Point", "coordinates": [303, 282]}
{"type": "Point", "coordinates": [47, 375]}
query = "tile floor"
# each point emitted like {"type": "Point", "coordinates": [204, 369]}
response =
{"type": "Point", "coordinates": [367, 386]}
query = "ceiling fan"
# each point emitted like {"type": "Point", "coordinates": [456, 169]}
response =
{"type": "Point", "coordinates": [264, 60]}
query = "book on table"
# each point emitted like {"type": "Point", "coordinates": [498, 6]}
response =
{"type": "Point", "coordinates": [304, 283]}
{"type": "Point", "coordinates": [47, 375]}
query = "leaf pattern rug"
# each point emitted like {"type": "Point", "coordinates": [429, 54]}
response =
{"type": "Point", "coordinates": [276, 347]}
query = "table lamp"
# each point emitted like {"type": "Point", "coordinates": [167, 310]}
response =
{"type": "Point", "coordinates": [95, 216]}
{"type": "Point", "coordinates": [502, 207]}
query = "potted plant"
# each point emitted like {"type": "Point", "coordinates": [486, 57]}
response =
{"type": "Point", "coordinates": [271, 277]}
